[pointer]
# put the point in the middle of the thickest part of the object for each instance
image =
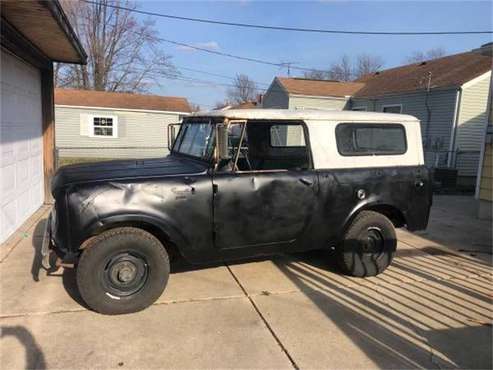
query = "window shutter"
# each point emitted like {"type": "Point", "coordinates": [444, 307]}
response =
{"type": "Point", "coordinates": [84, 124]}
{"type": "Point", "coordinates": [115, 127]}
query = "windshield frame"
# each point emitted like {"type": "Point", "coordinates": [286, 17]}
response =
{"type": "Point", "coordinates": [211, 144]}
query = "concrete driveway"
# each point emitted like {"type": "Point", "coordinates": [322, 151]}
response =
{"type": "Point", "coordinates": [431, 309]}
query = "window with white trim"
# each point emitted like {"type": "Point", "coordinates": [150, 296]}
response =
{"type": "Point", "coordinates": [104, 126]}
{"type": "Point", "coordinates": [396, 108]}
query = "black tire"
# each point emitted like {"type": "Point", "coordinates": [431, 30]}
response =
{"type": "Point", "coordinates": [368, 246]}
{"type": "Point", "coordinates": [122, 270]}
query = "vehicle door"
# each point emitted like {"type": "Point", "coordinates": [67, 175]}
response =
{"type": "Point", "coordinates": [265, 196]}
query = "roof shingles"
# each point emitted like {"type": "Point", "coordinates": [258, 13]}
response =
{"type": "Point", "coordinates": [446, 72]}
{"type": "Point", "coordinates": [103, 99]}
{"type": "Point", "coordinates": [303, 86]}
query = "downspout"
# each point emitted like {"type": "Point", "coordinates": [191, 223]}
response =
{"type": "Point", "coordinates": [428, 111]}
{"type": "Point", "coordinates": [453, 133]}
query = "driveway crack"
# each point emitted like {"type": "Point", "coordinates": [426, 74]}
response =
{"type": "Point", "coordinates": [264, 320]}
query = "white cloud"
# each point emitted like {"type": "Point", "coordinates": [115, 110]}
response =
{"type": "Point", "coordinates": [209, 45]}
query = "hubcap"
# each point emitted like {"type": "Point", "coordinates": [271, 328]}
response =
{"type": "Point", "coordinates": [125, 274]}
{"type": "Point", "coordinates": [374, 242]}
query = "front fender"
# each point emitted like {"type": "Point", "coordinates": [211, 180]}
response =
{"type": "Point", "coordinates": [165, 204]}
{"type": "Point", "coordinates": [163, 223]}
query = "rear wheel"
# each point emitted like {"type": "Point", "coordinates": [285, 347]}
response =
{"type": "Point", "coordinates": [122, 270]}
{"type": "Point", "coordinates": [368, 245]}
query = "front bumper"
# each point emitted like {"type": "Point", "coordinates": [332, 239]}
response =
{"type": "Point", "coordinates": [47, 245]}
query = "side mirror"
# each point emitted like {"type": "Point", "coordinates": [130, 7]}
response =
{"type": "Point", "coordinates": [222, 142]}
{"type": "Point", "coordinates": [172, 134]}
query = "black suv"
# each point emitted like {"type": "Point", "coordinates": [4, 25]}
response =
{"type": "Point", "coordinates": [237, 184]}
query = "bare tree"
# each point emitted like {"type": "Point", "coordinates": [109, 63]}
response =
{"type": "Point", "coordinates": [421, 56]}
{"type": "Point", "coordinates": [317, 75]}
{"type": "Point", "coordinates": [221, 104]}
{"type": "Point", "coordinates": [123, 52]}
{"type": "Point", "coordinates": [366, 64]}
{"type": "Point", "coordinates": [195, 107]}
{"type": "Point", "coordinates": [345, 69]}
{"type": "Point", "coordinates": [244, 89]}
{"type": "Point", "coordinates": [341, 70]}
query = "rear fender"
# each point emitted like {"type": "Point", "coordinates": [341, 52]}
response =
{"type": "Point", "coordinates": [380, 206]}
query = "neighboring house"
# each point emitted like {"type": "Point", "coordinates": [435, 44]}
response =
{"type": "Point", "coordinates": [484, 183]}
{"type": "Point", "coordinates": [302, 93]}
{"type": "Point", "coordinates": [99, 124]}
{"type": "Point", "coordinates": [484, 189]}
{"type": "Point", "coordinates": [33, 35]}
{"type": "Point", "coordinates": [449, 95]}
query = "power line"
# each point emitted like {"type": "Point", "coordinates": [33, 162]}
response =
{"type": "Point", "coordinates": [293, 29]}
{"type": "Point", "coordinates": [228, 55]}
{"type": "Point", "coordinates": [239, 57]}
{"type": "Point", "coordinates": [215, 74]}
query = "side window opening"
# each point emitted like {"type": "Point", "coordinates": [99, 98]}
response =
{"type": "Point", "coordinates": [370, 139]}
{"type": "Point", "coordinates": [235, 132]}
{"type": "Point", "coordinates": [277, 146]}
{"type": "Point", "coordinates": [267, 146]}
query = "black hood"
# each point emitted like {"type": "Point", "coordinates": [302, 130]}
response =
{"type": "Point", "coordinates": [125, 169]}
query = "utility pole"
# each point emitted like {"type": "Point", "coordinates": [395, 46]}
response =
{"type": "Point", "coordinates": [288, 66]}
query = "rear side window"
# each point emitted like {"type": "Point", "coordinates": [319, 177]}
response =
{"type": "Point", "coordinates": [370, 139]}
{"type": "Point", "coordinates": [283, 136]}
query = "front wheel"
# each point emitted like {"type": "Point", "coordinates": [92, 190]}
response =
{"type": "Point", "coordinates": [368, 246]}
{"type": "Point", "coordinates": [122, 270]}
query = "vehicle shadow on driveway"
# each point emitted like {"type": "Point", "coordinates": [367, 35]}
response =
{"type": "Point", "coordinates": [411, 316]}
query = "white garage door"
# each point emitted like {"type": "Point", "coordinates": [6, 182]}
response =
{"type": "Point", "coordinates": [21, 143]}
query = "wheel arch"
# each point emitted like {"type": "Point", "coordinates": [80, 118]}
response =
{"type": "Point", "coordinates": [168, 234]}
{"type": "Point", "coordinates": [392, 212]}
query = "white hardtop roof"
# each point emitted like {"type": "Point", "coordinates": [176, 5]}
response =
{"type": "Point", "coordinates": [305, 114]}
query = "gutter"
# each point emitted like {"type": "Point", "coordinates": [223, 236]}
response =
{"type": "Point", "coordinates": [453, 133]}
{"type": "Point", "coordinates": [342, 98]}
{"type": "Point", "coordinates": [121, 109]}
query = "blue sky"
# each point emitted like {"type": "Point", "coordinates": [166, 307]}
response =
{"type": "Point", "coordinates": [305, 49]}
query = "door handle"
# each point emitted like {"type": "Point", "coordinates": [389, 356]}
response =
{"type": "Point", "coordinates": [306, 182]}
{"type": "Point", "coordinates": [419, 184]}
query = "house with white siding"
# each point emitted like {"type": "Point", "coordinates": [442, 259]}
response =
{"type": "Point", "coordinates": [484, 182]}
{"type": "Point", "coordinates": [100, 125]}
{"type": "Point", "coordinates": [34, 34]}
{"type": "Point", "coordinates": [448, 95]}
{"type": "Point", "coordinates": [304, 93]}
